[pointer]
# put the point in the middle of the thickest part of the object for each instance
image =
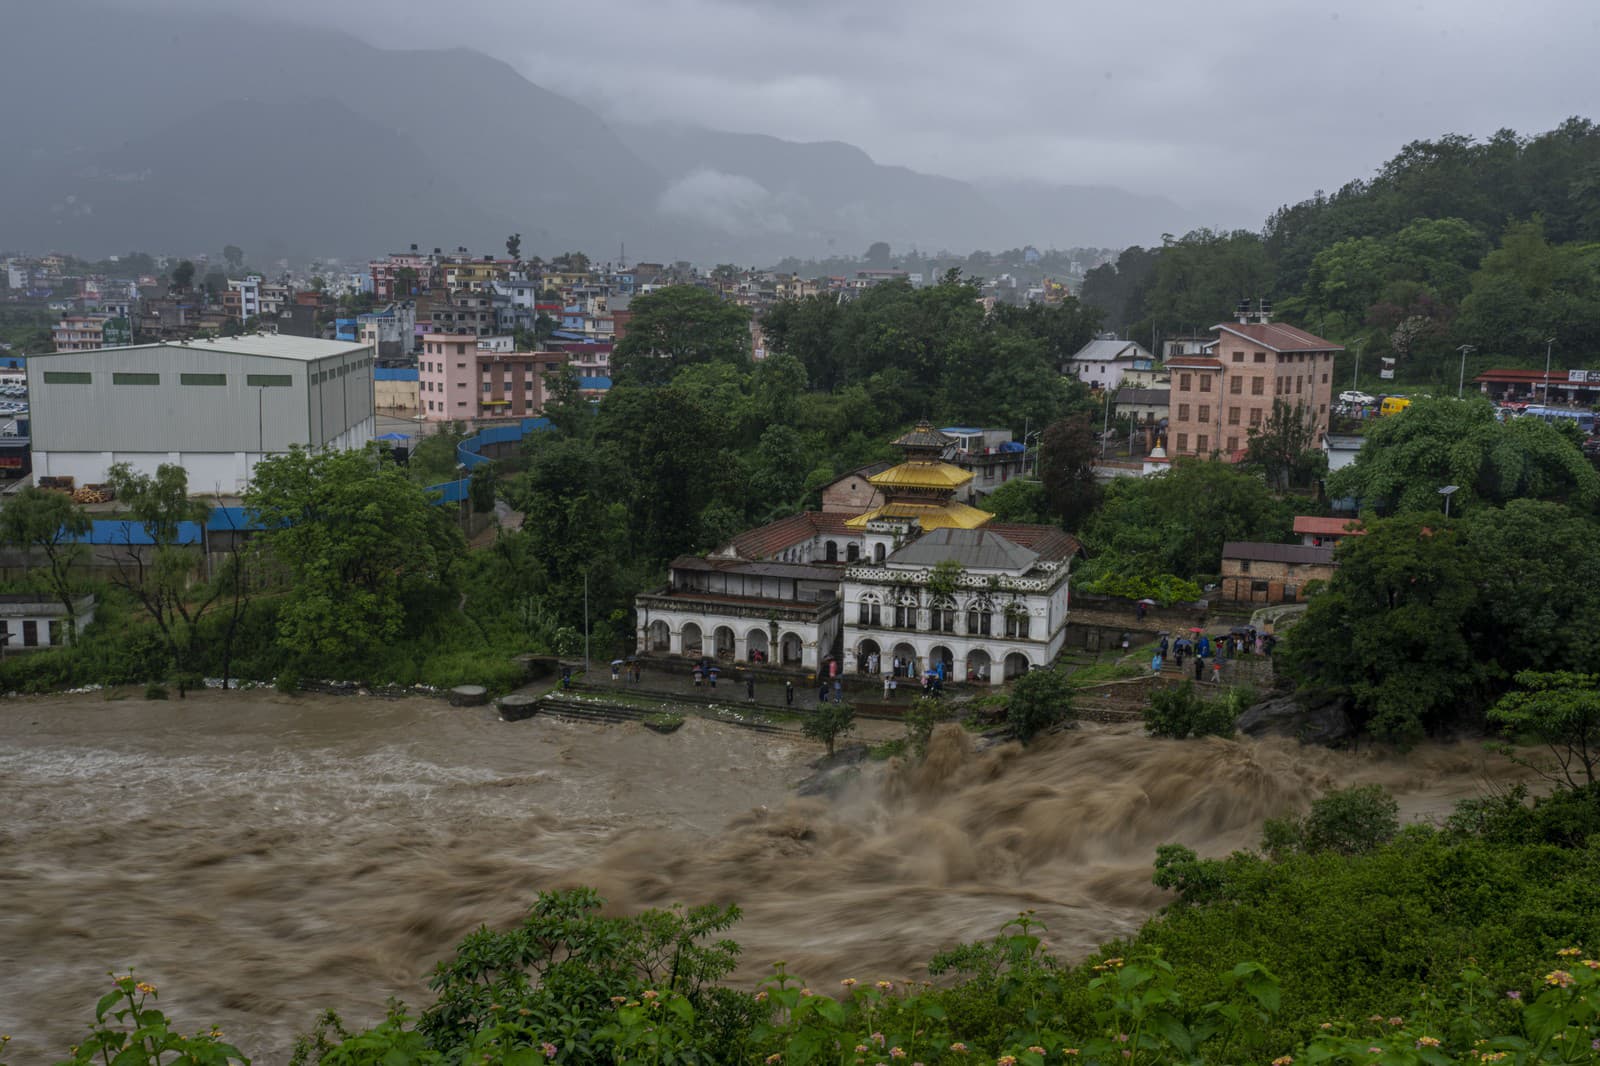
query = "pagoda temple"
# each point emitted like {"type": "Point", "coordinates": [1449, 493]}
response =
{"type": "Point", "coordinates": [920, 490]}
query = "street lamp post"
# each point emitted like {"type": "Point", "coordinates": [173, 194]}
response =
{"type": "Point", "coordinates": [1461, 380]}
{"type": "Point", "coordinates": [1355, 376]}
{"type": "Point", "coordinates": [1447, 492]}
{"type": "Point", "coordinates": [1549, 342]}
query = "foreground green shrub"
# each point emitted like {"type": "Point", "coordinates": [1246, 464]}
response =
{"type": "Point", "coordinates": [1180, 711]}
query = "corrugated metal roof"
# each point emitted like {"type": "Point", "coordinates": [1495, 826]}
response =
{"type": "Point", "coordinates": [594, 383]}
{"type": "Point", "coordinates": [922, 476]}
{"type": "Point", "coordinates": [394, 373]}
{"type": "Point", "coordinates": [265, 345]}
{"type": "Point", "coordinates": [1155, 397]}
{"type": "Point", "coordinates": [794, 571]}
{"type": "Point", "coordinates": [974, 549]}
{"type": "Point", "coordinates": [1105, 350]}
{"type": "Point", "coordinates": [1051, 542]}
{"type": "Point", "coordinates": [1297, 554]}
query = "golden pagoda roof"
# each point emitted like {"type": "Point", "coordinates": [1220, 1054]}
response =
{"type": "Point", "coordinates": [946, 515]}
{"type": "Point", "coordinates": [915, 474]}
{"type": "Point", "coordinates": [924, 436]}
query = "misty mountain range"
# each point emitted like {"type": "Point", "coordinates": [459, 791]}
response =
{"type": "Point", "coordinates": [176, 132]}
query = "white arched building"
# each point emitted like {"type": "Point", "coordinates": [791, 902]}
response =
{"type": "Point", "coordinates": [868, 589]}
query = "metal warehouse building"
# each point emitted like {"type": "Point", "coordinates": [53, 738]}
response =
{"type": "Point", "coordinates": [215, 407]}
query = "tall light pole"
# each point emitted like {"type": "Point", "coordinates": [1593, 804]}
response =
{"type": "Point", "coordinates": [1549, 342]}
{"type": "Point", "coordinates": [1461, 380]}
{"type": "Point", "coordinates": [1355, 377]}
{"type": "Point", "coordinates": [1447, 492]}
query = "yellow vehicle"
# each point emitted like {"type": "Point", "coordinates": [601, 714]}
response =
{"type": "Point", "coordinates": [1393, 405]}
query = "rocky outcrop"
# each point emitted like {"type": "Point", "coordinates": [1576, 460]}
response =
{"type": "Point", "coordinates": [1321, 720]}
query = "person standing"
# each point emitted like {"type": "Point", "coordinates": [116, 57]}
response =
{"type": "Point", "coordinates": [1216, 671]}
{"type": "Point", "coordinates": [1199, 668]}
{"type": "Point", "coordinates": [788, 693]}
{"type": "Point", "coordinates": [1155, 663]}
{"type": "Point", "coordinates": [888, 688]}
{"type": "Point", "coordinates": [838, 691]}
{"type": "Point", "coordinates": [822, 693]}
{"type": "Point", "coordinates": [699, 678]}
{"type": "Point", "coordinates": [750, 689]}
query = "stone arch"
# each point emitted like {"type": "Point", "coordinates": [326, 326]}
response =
{"type": "Point", "coordinates": [1016, 665]}
{"type": "Point", "coordinates": [979, 666]}
{"type": "Point", "coordinates": [905, 652]}
{"type": "Point", "coordinates": [659, 636]}
{"type": "Point", "coordinates": [755, 644]}
{"type": "Point", "coordinates": [878, 552]}
{"type": "Point", "coordinates": [942, 614]}
{"type": "Point", "coordinates": [792, 649]}
{"type": "Point", "coordinates": [692, 638]}
{"type": "Point", "coordinates": [723, 641]}
{"type": "Point", "coordinates": [942, 659]}
{"type": "Point", "coordinates": [864, 653]}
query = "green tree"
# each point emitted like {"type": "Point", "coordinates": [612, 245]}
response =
{"type": "Point", "coordinates": [360, 543]}
{"type": "Point", "coordinates": [164, 575]}
{"type": "Point", "coordinates": [877, 256]}
{"type": "Point", "coordinates": [1393, 629]}
{"type": "Point", "coordinates": [1349, 821]}
{"type": "Point", "coordinates": [1039, 701]}
{"type": "Point", "coordinates": [514, 247]}
{"type": "Point", "coordinates": [1181, 711]}
{"type": "Point", "coordinates": [678, 326]}
{"type": "Point", "coordinates": [829, 722]}
{"type": "Point", "coordinates": [1407, 458]}
{"type": "Point", "coordinates": [183, 275]}
{"type": "Point", "coordinates": [1018, 500]}
{"type": "Point", "coordinates": [234, 256]}
{"type": "Point", "coordinates": [480, 488]}
{"type": "Point", "coordinates": [1561, 710]}
{"type": "Point", "coordinates": [34, 519]}
{"type": "Point", "coordinates": [1284, 448]}
{"type": "Point", "coordinates": [1066, 457]}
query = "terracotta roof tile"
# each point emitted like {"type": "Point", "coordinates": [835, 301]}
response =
{"type": "Point", "coordinates": [763, 542]}
{"type": "Point", "coordinates": [1051, 542]}
{"type": "Point", "coordinates": [1326, 527]}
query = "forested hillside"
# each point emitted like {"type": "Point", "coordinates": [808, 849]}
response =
{"type": "Point", "coordinates": [1495, 244]}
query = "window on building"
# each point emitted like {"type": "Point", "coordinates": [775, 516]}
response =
{"type": "Point", "coordinates": [943, 615]}
{"type": "Point", "coordinates": [1233, 444]}
{"type": "Point", "coordinates": [1017, 622]}
{"type": "Point", "coordinates": [1236, 385]}
{"type": "Point", "coordinates": [1233, 416]}
{"type": "Point", "coordinates": [66, 377]}
{"type": "Point", "coordinates": [1244, 566]}
{"type": "Point", "coordinates": [1258, 586]}
{"type": "Point", "coordinates": [1205, 382]}
{"type": "Point", "coordinates": [1258, 386]}
{"type": "Point", "coordinates": [1202, 443]}
{"type": "Point", "coordinates": [268, 381]}
{"type": "Point", "coordinates": [202, 379]}
{"type": "Point", "coordinates": [1255, 416]}
{"type": "Point", "coordinates": [129, 377]}
{"type": "Point", "coordinates": [1205, 412]}
{"type": "Point", "coordinates": [487, 386]}
{"type": "Point", "coordinates": [1183, 412]}
{"type": "Point", "coordinates": [905, 611]}
{"type": "Point", "coordinates": [980, 617]}
{"type": "Point", "coordinates": [869, 611]}
{"type": "Point", "coordinates": [1238, 357]}
{"type": "Point", "coordinates": [1183, 442]}
{"type": "Point", "coordinates": [1185, 382]}
{"type": "Point", "coordinates": [1324, 377]}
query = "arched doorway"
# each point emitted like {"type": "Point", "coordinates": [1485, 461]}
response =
{"type": "Point", "coordinates": [942, 660]}
{"type": "Point", "coordinates": [660, 636]}
{"type": "Point", "coordinates": [852, 553]}
{"type": "Point", "coordinates": [978, 666]}
{"type": "Point", "coordinates": [724, 642]}
{"type": "Point", "coordinates": [869, 660]}
{"type": "Point", "coordinates": [793, 649]}
{"type": "Point", "coordinates": [832, 552]}
{"type": "Point", "coordinates": [691, 639]}
{"type": "Point", "coordinates": [1016, 665]}
{"type": "Point", "coordinates": [908, 659]}
{"type": "Point", "coordinates": [755, 645]}
{"type": "Point", "coordinates": [878, 552]}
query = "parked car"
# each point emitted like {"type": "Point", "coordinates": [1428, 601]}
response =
{"type": "Point", "coordinates": [1358, 398]}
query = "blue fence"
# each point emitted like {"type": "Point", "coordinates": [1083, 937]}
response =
{"type": "Point", "coordinates": [468, 453]}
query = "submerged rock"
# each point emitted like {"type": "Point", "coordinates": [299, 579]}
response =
{"type": "Point", "coordinates": [1323, 721]}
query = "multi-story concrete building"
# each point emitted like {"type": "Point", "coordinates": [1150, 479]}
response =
{"type": "Point", "coordinates": [243, 298]}
{"type": "Point", "coordinates": [1101, 363]}
{"type": "Point", "coordinates": [79, 333]}
{"type": "Point", "coordinates": [458, 381]}
{"type": "Point", "coordinates": [216, 408]}
{"type": "Point", "coordinates": [1219, 398]}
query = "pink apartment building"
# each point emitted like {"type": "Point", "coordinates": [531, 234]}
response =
{"type": "Point", "coordinates": [458, 381]}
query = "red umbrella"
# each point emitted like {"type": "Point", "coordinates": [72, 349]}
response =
{"type": "Point", "coordinates": [1196, 629]}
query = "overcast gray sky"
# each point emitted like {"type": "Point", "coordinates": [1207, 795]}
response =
{"type": "Point", "coordinates": [1249, 102]}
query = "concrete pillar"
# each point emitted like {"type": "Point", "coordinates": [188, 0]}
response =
{"type": "Point", "coordinates": [675, 641]}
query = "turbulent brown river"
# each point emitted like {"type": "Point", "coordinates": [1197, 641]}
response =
{"type": "Point", "coordinates": [261, 857]}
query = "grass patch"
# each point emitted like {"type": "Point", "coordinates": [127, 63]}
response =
{"type": "Point", "coordinates": [1099, 672]}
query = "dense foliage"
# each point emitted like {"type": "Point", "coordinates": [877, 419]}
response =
{"type": "Point", "coordinates": [1454, 241]}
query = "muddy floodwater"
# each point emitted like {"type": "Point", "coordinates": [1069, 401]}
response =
{"type": "Point", "coordinates": [260, 857]}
